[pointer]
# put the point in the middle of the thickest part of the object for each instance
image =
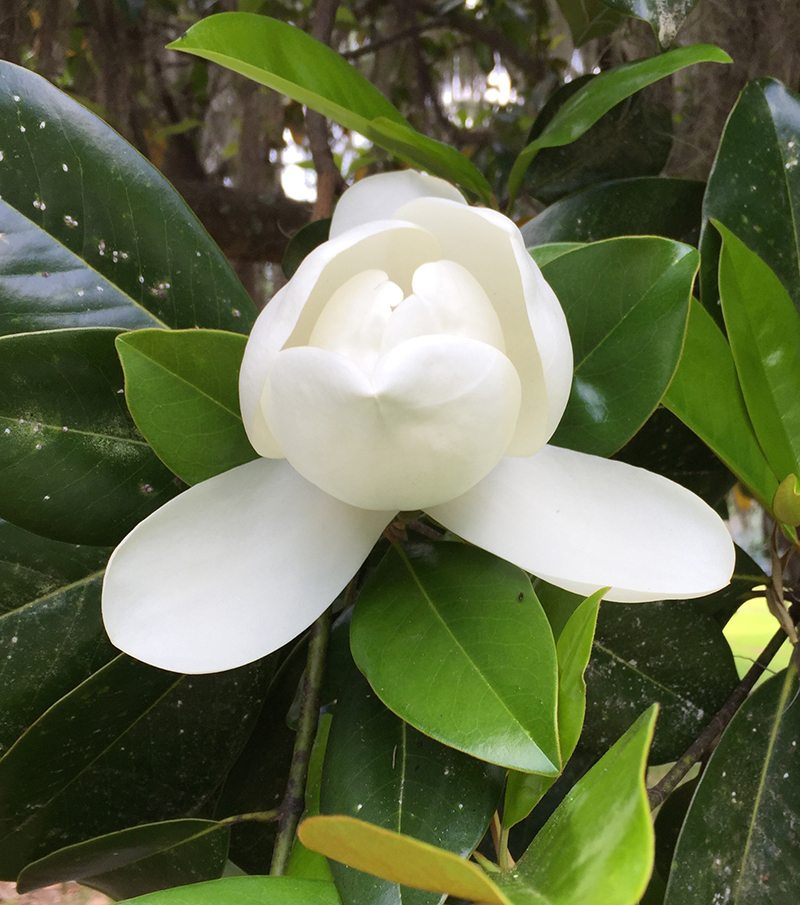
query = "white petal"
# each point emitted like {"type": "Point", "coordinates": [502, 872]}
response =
{"type": "Point", "coordinates": [354, 320]}
{"type": "Point", "coordinates": [396, 248]}
{"type": "Point", "coordinates": [432, 419]}
{"type": "Point", "coordinates": [491, 247]}
{"type": "Point", "coordinates": [447, 299]}
{"type": "Point", "coordinates": [582, 523]}
{"type": "Point", "coordinates": [233, 568]}
{"type": "Point", "coordinates": [378, 197]}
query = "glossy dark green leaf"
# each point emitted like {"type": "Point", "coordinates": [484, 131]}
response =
{"type": "Point", "coordinates": [283, 57]}
{"type": "Point", "coordinates": [182, 389]}
{"type": "Point", "coordinates": [134, 744]}
{"type": "Point", "coordinates": [137, 860]}
{"type": "Point", "coordinates": [598, 845]}
{"type": "Point", "coordinates": [668, 823]}
{"type": "Point", "coordinates": [588, 19]}
{"type": "Point", "coordinates": [245, 891]}
{"type": "Point", "coordinates": [594, 100]}
{"type": "Point", "coordinates": [664, 16]}
{"type": "Point", "coordinates": [763, 329]}
{"type": "Point", "coordinates": [455, 607]}
{"type": "Point", "coordinates": [574, 646]}
{"type": "Point", "coordinates": [740, 843]}
{"type": "Point", "coordinates": [626, 334]}
{"type": "Point", "coordinates": [379, 769]}
{"type": "Point", "coordinates": [257, 779]}
{"type": "Point", "coordinates": [643, 206]}
{"type": "Point", "coordinates": [754, 185]}
{"type": "Point", "coordinates": [662, 652]}
{"type": "Point", "coordinates": [50, 627]}
{"type": "Point", "coordinates": [92, 234]}
{"type": "Point", "coordinates": [306, 239]}
{"type": "Point", "coordinates": [706, 396]}
{"type": "Point", "coordinates": [73, 465]}
{"type": "Point", "coordinates": [632, 139]}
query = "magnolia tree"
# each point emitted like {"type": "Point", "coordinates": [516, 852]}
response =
{"type": "Point", "coordinates": [374, 598]}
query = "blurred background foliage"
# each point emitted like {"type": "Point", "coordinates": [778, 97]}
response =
{"type": "Point", "coordinates": [473, 73]}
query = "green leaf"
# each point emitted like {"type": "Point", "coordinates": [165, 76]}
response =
{"type": "Point", "coordinates": [135, 745]}
{"type": "Point", "coordinates": [544, 254]}
{"type": "Point", "coordinates": [305, 240]}
{"type": "Point", "coordinates": [282, 57]}
{"type": "Point", "coordinates": [632, 139]}
{"type": "Point", "coordinates": [588, 104]}
{"type": "Point", "coordinates": [137, 860]}
{"type": "Point", "coordinates": [50, 626]}
{"type": "Point", "coordinates": [643, 206]}
{"type": "Point", "coordinates": [588, 19]}
{"type": "Point", "coordinates": [763, 329]}
{"type": "Point", "coordinates": [667, 653]}
{"type": "Point", "coordinates": [598, 845]}
{"type": "Point", "coordinates": [739, 843]}
{"type": "Point", "coordinates": [754, 185]}
{"type": "Point", "coordinates": [245, 891]}
{"type": "Point", "coordinates": [626, 334]}
{"type": "Point", "coordinates": [664, 16]}
{"type": "Point", "coordinates": [257, 780]}
{"type": "Point", "coordinates": [456, 607]}
{"type": "Point", "coordinates": [182, 389]}
{"type": "Point", "coordinates": [379, 769]}
{"type": "Point", "coordinates": [398, 858]}
{"type": "Point", "coordinates": [705, 395]}
{"type": "Point", "coordinates": [73, 465]}
{"type": "Point", "coordinates": [574, 646]}
{"type": "Point", "coordinates": [92, 233]}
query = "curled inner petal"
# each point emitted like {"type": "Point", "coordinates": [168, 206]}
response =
{"type": "Point", "coordinates": [433, 418]}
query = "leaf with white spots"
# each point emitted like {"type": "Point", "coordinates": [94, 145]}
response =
{"type": "Point", "coordinates": [91, 234]}
{"type": "Point", "coordinates": [740, 844]}
{"type": "Point", "coordinates": [72, 464]}
{"type": "Point", "coordinates": [669, 653]}
{"type": "Point", "coordinates": [51, 634]}
{"type": "Point", "coordinates": [134, 745]}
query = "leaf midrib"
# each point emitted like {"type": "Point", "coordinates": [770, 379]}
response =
{"type": "Point", "coordinates": [193, 386]}
{"type": "Point", "coordinates": [426, 597]}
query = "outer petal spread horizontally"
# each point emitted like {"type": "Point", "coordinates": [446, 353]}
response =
{"type": "Point", "coordinates": [582, 522]}
{"type": "Point", "coordinates": [416, 360]}
{"type": "Point", "coordinates": [233, 568]}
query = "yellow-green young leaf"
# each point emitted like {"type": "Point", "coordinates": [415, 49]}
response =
{"type": "Point", "coordinates": [398, 858]}
{"type": "Point", "coordinates": [764, 331]}
{"type": "Point", "coordinates": [574, 647]}
{"type": "Point", "coordinates": [705, 395]}
{"type": "Point", "coordinates": [245, 891]}
{"type": "Point", "coordinates": [283, 57]}
{"type": "Point", "coordinates": [786, 505]}
{"type": "Point", "coordinates": [587, 105]}
{"type": "Point", "coordinates": [598, 846]}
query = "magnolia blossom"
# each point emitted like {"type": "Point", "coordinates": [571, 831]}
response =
{"type": "Point", "coordinates": [416, 360]}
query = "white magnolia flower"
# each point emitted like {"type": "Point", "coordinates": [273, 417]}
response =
{"type": "Point", "coordinates": [416, 360]}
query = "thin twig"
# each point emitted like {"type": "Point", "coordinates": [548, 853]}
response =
{"type": "Point", "coordinates": [705, 741]}
{"type": "Point", "coordinates": [329, 179]}
{"type": "Point", "coordinates": [294, 798]}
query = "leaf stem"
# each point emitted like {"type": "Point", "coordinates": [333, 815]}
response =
{"type": "Point", "coordinates": [294, 798]}
{"type": "Point", "coordinates": [705, 741]}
